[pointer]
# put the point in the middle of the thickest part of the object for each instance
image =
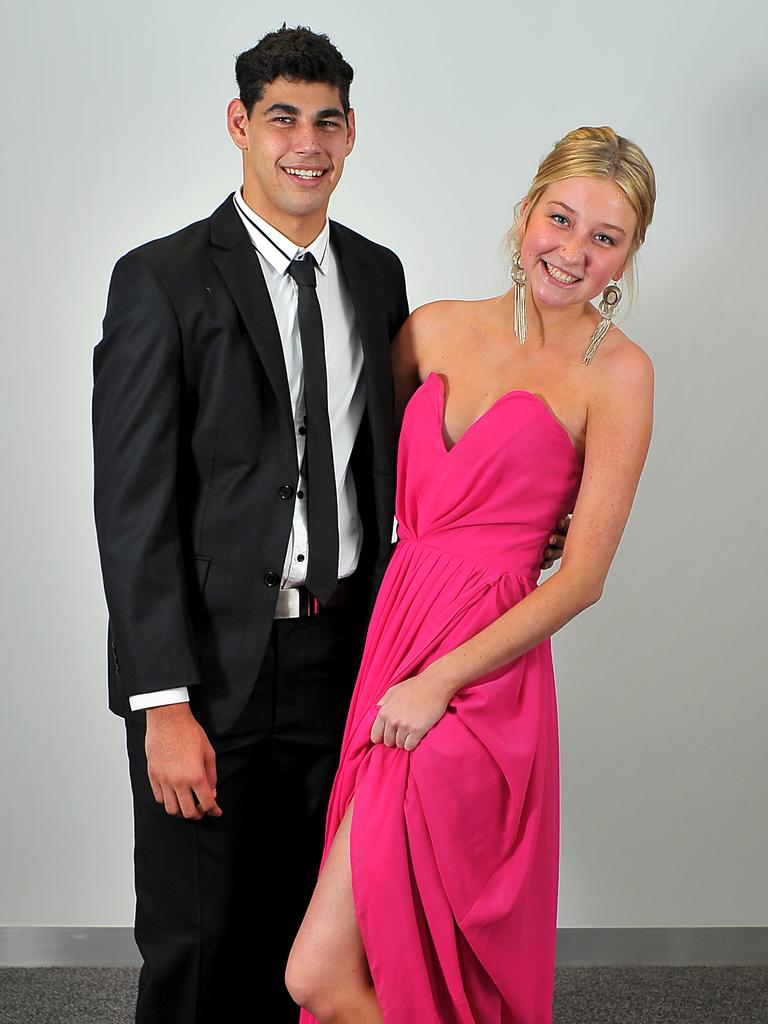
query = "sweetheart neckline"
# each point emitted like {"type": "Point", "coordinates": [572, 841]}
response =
{"type": "Point", "coordinates": [507, 394]}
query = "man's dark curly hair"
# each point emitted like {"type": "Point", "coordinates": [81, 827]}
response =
{"type": "Point", "coordinates": [294, 53]}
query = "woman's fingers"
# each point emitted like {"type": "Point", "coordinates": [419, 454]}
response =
{"type": "Point", "coordinates": [401, 736]}
{"type": "Point", "coordinates": [390, 735]}
{"type": "Point", "coordinates": [383, 731]}
{"type": "Point", "coordinates": [377, 729]}
{"type": "Point", "coordinates": [393, 735]}
{"type": "Point", "coordinates": [405, 716]}
{"type": "Point", "coordinates": [412, 740]}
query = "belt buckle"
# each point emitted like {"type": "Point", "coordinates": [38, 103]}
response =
{"type": "Point", "coordinates": [288, 603]}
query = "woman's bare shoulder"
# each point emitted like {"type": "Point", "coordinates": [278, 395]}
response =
{"type": "Point", "coordinates": [624, 364]}
{"type": "Point", "coordinates": [434, 328]}
{"type": "Point", "coordinates": [430, 332]}
{"type": "Point", "coordinates": [435, 316]}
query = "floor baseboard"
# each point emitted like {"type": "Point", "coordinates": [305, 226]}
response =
{"type": "Point", "coordinates": [576, 947]}
{"type": "Point", "coordinates": [662, 947]}
{"type": "Point", "coordinates": [68, 947]}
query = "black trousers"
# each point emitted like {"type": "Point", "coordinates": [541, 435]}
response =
{"type": "Point", "coordinates": [218, 902]}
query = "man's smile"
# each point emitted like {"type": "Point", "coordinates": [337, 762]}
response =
{"type": "Point", "coordinates": [306, 174]}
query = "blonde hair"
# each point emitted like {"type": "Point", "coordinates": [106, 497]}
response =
{"type": "Point", "coordinates": [594, 153]}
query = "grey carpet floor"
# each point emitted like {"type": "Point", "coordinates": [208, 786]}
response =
{"type": "Point", "coordinates": [583, 995]}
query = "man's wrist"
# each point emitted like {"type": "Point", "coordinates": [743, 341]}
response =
{"type": "Point", "coordinates": [169, 711]}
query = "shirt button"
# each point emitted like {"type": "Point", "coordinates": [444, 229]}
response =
{"type": "Point", "coordinates": [271, 578]}
{"type": "Point", "coordinates": [299, 558]}
{"type": "Point", "coordinates": [302, 431]}
{"type": "Point", "coordinates": [299, 495]}
{"type": "Point", "coordinates": [286, 492]}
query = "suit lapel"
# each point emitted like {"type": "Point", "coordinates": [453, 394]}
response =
{"type": "Point", "coordinates": [238, 263]}
{"type": "Point", "coordinates": [362, 279]}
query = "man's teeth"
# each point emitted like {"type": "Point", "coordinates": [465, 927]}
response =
{"type": "Point", "coordinates": [560, 275]}
{"type": "Point", "coordinates": [301, 173]}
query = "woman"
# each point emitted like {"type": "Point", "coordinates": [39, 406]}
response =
{"type": "Point", "coordinates": [436, 903]}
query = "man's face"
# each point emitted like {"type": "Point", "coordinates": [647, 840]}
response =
{"type": "Point", "coordinates": [294, 146]}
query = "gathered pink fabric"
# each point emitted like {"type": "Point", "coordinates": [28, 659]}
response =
{"type": "Point", "coordinates": [454, 846]}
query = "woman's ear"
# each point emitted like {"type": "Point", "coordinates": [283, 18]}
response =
{"type": "Point", "coordinates": [620, 272]}
{"type": "Point", "coordinates": [515, 232]}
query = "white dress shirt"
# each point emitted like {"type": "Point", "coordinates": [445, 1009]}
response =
{"type": "Point", "coordinates": [346, 391]}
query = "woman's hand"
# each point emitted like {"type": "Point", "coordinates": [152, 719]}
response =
{"type": "Point", "coordinates": [408, 711]}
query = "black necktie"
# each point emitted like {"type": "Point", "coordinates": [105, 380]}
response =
{"type": "Point", "coordinates": [322, 509]}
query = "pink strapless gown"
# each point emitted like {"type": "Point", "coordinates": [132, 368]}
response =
{"type": "Point", "coordinates": [454, 847]}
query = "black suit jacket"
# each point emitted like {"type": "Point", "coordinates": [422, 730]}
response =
{"type": "Point", "coordinates": [194, 443]}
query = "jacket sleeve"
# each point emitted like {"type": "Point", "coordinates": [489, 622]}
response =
{"type": "Point", "coordinates": [403, 311]}
{"type": "Point", "coordinates": [397, 277]}
{"type": "Point", "coordinates": [136, 411]}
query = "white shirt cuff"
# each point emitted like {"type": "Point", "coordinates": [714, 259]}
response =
{"type": "Point", "coordinates": [179, 695]}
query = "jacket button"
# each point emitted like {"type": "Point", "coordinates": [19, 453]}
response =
{"type": "Point", "coordinates": [286, 492]}
{"type": "Point", "coordinates": [271, 578]}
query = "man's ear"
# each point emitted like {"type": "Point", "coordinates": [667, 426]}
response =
{"type": "Point", "coordinates": [237, 123]}
{"type": "Point", "coordinates": [351, 130]}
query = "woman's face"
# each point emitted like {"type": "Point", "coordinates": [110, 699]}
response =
{"type": "Point", "coordinates": [577, 239]}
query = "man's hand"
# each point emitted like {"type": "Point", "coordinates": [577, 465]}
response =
{"type": "Point", "coordinates": [554, 548]}
{"type": "Point", "coordinates": [181, 763]}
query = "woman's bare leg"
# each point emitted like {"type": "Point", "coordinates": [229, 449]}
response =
{"type": "Point", "coordinates": [327, 970]}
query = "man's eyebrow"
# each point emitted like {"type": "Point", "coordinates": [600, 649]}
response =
{"type": "Point", "coordinates": [285, 108]}
{"type": "Point", "coordinates": [288, 108]}
{"type": "Point", "coordinates": [570, 209]}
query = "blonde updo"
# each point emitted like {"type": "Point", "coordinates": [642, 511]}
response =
{"type": "Point", "coordinates": [594, 153]}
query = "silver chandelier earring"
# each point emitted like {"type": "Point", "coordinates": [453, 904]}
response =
{"type": "Point", "coordinates": [518, 278]}
{"type": "Point", "coordinates": [608, 306]}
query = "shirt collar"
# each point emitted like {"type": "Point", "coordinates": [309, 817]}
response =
{"type": "Point", "coordinates": [276, 249]}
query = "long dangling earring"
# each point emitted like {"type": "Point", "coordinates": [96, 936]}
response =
{"type": "Point", "coordinates": [608, 306]}
{"type": "Point", "coordinates": [518, 277]}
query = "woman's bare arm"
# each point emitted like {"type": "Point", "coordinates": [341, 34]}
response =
{"type": "Point", "coordinates": [617, 438]}
{"type": "Point", "coordinates": [407, 356]}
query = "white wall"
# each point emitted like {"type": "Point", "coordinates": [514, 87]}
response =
{"type": "Point", "coordinates": [114, 115]}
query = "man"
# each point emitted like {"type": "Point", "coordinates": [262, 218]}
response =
{"type": "Point", "coordinates": [243, 522]}
{"type": "Point", "coordinates": [244, 480]}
